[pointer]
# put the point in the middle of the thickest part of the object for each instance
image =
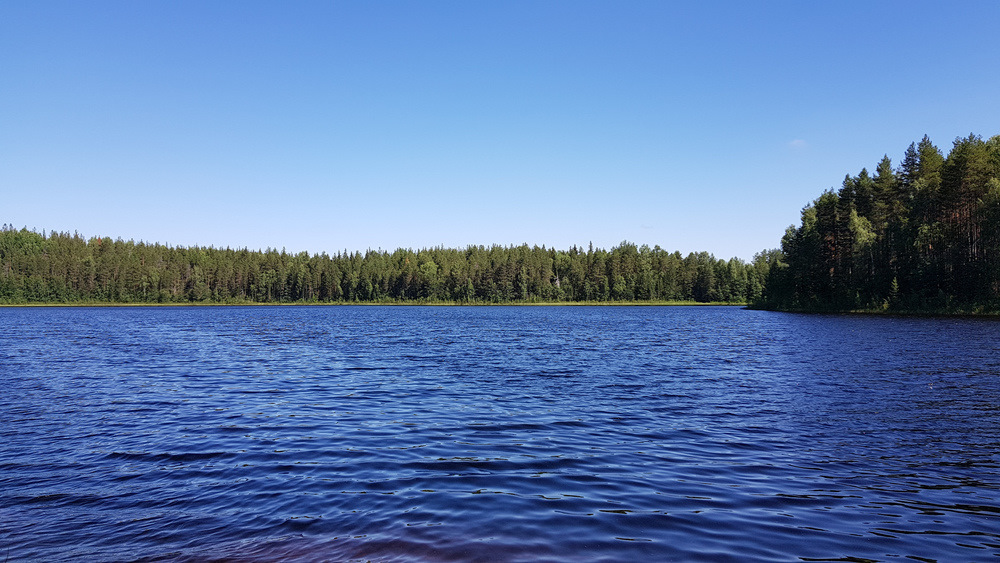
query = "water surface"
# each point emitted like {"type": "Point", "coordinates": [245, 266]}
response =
{"type": "Point", "coordinates": [496, 434]}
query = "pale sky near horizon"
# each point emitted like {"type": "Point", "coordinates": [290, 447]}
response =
{"type": "Point", "coordinates": [331, 126]}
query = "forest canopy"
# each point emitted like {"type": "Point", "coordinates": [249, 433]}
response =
{"type": "Point", "coordinates": [67, 268]}
{"type": "Point", "coordinates": [924, 236]}
{"type": "Point", "coordinates": [920, 237]}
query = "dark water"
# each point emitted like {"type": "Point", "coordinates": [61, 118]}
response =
{"type": "Point", "coordinates": [496, 434]}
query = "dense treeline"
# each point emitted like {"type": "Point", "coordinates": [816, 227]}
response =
{"type": "Point", "coordinates": [922, 237]}
{"type": "Point", "coordinates": [66, 268]}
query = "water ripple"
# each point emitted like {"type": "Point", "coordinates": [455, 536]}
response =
{"type": "Point", "coordinates": [495, 434]}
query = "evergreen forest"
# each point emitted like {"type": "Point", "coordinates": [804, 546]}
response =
{"type": "Point", "coordinates": [67, 268]}
{"type": "Point", "coordinates": [921, 237]}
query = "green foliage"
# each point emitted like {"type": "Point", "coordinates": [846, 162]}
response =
{"type": "Point", "coordinates": [925, 237]}
{"type": "Point", "coordinates": [64, 268]}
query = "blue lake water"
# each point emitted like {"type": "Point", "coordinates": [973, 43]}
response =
{"type": "Point", "coordinates": [496, 434]}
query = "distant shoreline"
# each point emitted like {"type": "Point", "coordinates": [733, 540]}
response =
{"type": "Point", "coordinates": [953, 313]}
{"type": "Point", "coordinates": [856, 312]}
{"type": "Point", "coordinates": [390, 304]}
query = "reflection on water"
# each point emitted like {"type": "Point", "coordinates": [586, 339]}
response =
{"type": "Point", "coordinates": [496, 434]}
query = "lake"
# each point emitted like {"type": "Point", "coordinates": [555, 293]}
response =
{"type": "Point", "coordinates": [496, 434]}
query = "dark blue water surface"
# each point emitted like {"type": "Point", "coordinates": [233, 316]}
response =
{"type": "Point", "coordinates": [496, 434]}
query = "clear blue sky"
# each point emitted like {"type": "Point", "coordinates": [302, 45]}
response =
{"type": "Point", "coordinates": [324, 126]}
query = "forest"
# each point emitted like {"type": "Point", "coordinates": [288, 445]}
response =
{"type": "Point", "coordinates": [922, 237]}
{"type": "Point", "coordinates": [60, 267]}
